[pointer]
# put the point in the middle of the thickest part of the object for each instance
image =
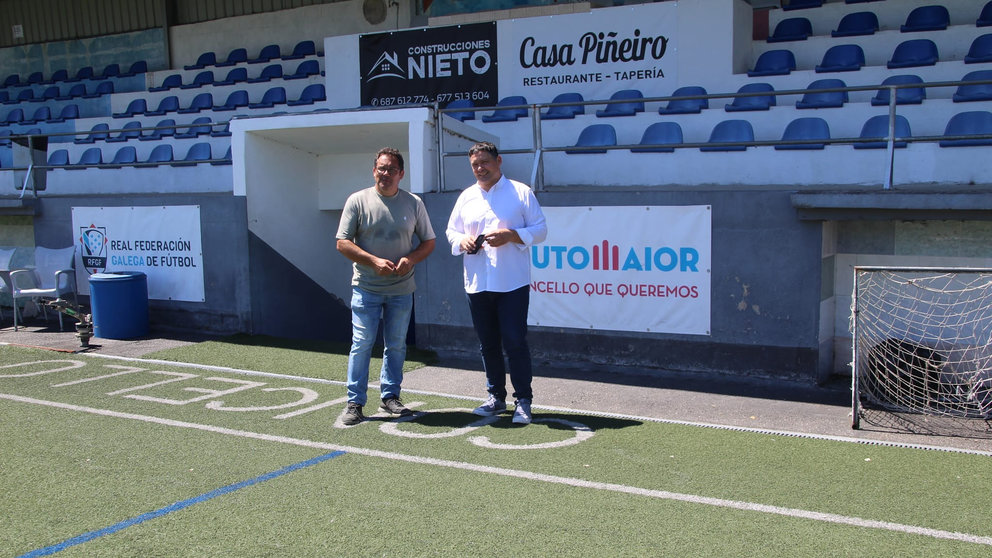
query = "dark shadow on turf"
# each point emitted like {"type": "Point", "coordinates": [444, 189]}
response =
{"type": "Point", "coordinates": [462, 419]}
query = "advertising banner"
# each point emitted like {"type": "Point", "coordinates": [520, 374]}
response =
{"type": "Point", "coordinates": [639, 268]}
{"type": "Point", "coordinates": [422, 66]}
{"type": "Point", "coordinates": [164, 243]}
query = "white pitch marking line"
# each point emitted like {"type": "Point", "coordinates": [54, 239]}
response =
{"type": "Point", "coordinates": [580, 483]}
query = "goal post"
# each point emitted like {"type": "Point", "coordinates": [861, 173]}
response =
{"type": "Point", "coordinates": [922, 349]}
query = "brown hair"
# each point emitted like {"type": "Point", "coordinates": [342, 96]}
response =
{"type": "Point", "coordinates": [391, 152]}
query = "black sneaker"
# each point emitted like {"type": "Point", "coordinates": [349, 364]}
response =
{"type": "Point", "coordinates": [352, 414]}
{"type": "Point", "coordinates": [395, 407]}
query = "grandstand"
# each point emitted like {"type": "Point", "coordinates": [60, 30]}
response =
{"type": "Point", "coordinates": [734, 160]}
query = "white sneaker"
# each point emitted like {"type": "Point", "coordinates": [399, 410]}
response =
{"type": "Point", "coordinates": [521, 415]}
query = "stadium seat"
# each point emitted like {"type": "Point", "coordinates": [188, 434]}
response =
{"type": "Point", "coordinates": [172, 80]}
{"type": "Point", "coordinates": [633, 104]}
{"type": "Point", "coordinates": [302, 50]}
{"type": "Point", "coordinates": [135, 107]}
{"type": "Point", "coordinates": [915, 52]}
{"type": "Point", "coordinates": [503, 114]}
{"type": "Point", "coordinates": [23, 96]}
{"type": "Point", "coordinates": [773, 63]}
{"type": "Point", "coordinates": [126, 155]}
{"type": "Point", "coordinates": [985, 18]}
{"type": "Point", "coordinates": [198, 152]}
{"type": "Point", "coordinates": [162, 130]}
{"type": "Point", "coordinates": [976, 92]}
{"type": "Point", "coordinates": [128, 131]}
{"type": "Point", "coordinates": [267, 53]}
{"type": "Point", "coordinates": [34, 78]}
{"type": "Point", "coordinates": [102, 88]}
{"type": "Point", "coordinates": [686, 106]}
{"type": "Point", "coordinates": [13, 117]}
{"type": "Point", "coordinates": [91, 157]}
{"type": "Point", "coordinates": [306, 69]}
{"type": "Point", "coordinates": [236, 75]}
{"type": "Point", "coordinates": [75, 91]}
{"type": "Point", "coordinates": [968, 123]}
{"type": "Point", "coordinates": [800, 4]}
{"type": "Point", "coordinates": [805, 129]}
{"type": "Point", "coordinates": [268, 73]}
{"type": "Point", "coordinates": [226, 159]}
{"type": "Point", "coordinates": [904, 95]}
{"type": "Point", "coordinates": [48, 94]}
{"type": "Point", "coordinates": [161, 154]}
{"type": "Point", "coordinates": [842, 58]}
{"type": "Point", "coordinates": [224, 132]}
{"type": "Point", "coordinates": [980, 51]}
{"type": "Point", "coordinates": [57, 76]}
{"type": "Point", "coordinates": [4, 96]}
{"type": "Point", "coordinates": [927, 18]}
{"type": "Point", "coordinates": [205, 77]}
{"type": "Point", "coordinates": [205, 59]}
{"type": "Point", "coordinates": [857, 23]}
{"type": "Point", "coordinates": [464, 114]}
{"type": "Point", "coordinates": [111, 70]}
{"type": "Point", "coordinates": [86, 72]}
{"type": "Point", "coordinates": [203, 101]}
{"type": "Point", "coordinates": [878, 127]}
{"type": "Point", "coordinates": [273, 96]}
{"type": "Point", "coordinates": [236, 56]}
{"type": "Point", "coordinates": [823, 99]}
{"type": "Point", "coordinates": [561, 111]}
{"type": "Point", "coordinates": [68, 112]}
{"type": "Point", "coordinates": [59, 158]}
{"type": "Point", "coordinates": [200, 126]}
{"type": "Point", "coordinates": [730, 131]}
{"type": "Point", "coordinates": [752, 102]}
{"type": "Point", "coordinates": [791, 29]}
{"type": "Point", "coordinates": [311, 94]}
{"type": "Point", "coordinates": [139, 67]}
{"type": "Point", "coordinates": [660, 133]}
{"type": "Point", "coordinates": [12, 80]}
{"type": "Point", "coordinates": [594, 135]}
{"type": "Point", "coordinates": [98, 132]}
{"type": "Point", "coordinates": [166, 105]}
{"type": "Point", "coordinates": [40, 115]}
{"type": "Point", "coordinates": [5, 140]}
{"type": "Point", "coordinates": [235, 100]}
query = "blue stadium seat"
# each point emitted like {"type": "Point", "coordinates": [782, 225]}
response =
{"type": "Point", "coordinates": [904, 95]}
{"type": "Point", "coordinates": [135, 107]}
{"type": "Point", "coordinates": [461, 104]}
{"type": "Point", "coordinates": [203, 101]}
{"type": "Point", "coordinates": [57, 76]}
{"type": "Point", "coordinates": [594, 135]}
{"type": "Point", "coordinates": [633, 104]}
{"type": "Point", "coordinates": [86, 72]}
{"type": "Point", "coordinates": [205, 77]}
{"type": "Point", "coordinates": [878, 127]}
{"type": "Point", "coordinates": [730, 131]}
{"type": "Point", "coordinates": [224, 132]}
{"type": "Point", "coordinates": [128, 131]}
{"type": "Point", "coordinates": [914, 52]}
{"type": "Point", "coordinates": [161, 154]}
{"type": "Point", "coordinates": [561, 111]}
{"type": "Point", "coordinates": [68, 112]}
{"type": "Point", "coordinates": [14, 116]}
{"type": "Point", "coordinates": [126, 155]}
{"type": "Point", "coordinates": [268, 73]}
{"type": "Point", "coordinates": [200, 126]}
{"type": "Point", "coordinates": [805, 129]}
{"type": "Point", "coordinates": [800, 4]}
{"type": "Point", "coordinates": [5, 137]}
{"type": "Point", "coordinates": [205, 59]}
{"type": "Point", "coordinates": [91, 157]}
{"type": "Point", "coordinates": [927, 18]}
{"type": "Point", "coordinates": [40, 115]}
{"type": "Point", "coordinates": [267, 53]}
{"type": "Point", "coordinates": [823, 99]}
{"type": "Point", "coordinates": [58, 158]}
{"type": "Point", "coordinates": [98, 132]}
{"type": "Point", "coordinates": [102, 88]}
{"type": "Point", "coordinates": [161, 131]}
{"type": "Point", "coordinates": [272, 97]}
{"type": "Point", "coordinates": [791, 29]}
{"type": "Point", "coordinates": [302, 50]}
{"type": "Point", "coordinates": [503, 114]}
{"type": "Point", "coordinates": [23, 96]}
{"type": "Point", "coordinates": [75, 91]}
{"type": "Point", "coordinates": [34, 78]}
{"type": "Point", "coordinates": [166, 105]}
{"type": "Point", "coordinates": [4, 96]}
{"type": "Point", "coordinates": [236, 75]}
{"type": "Point", "coordinates": [985, 18]}
{"type": "Point", "coordinates": [968, 123]}
{"type": "Point", "coordinates": [842, 58]}
{"type": "Point", "coordinates": [48, 94]}
{"type": "Point", "coordinates": [660, 133]}
{"type": "Point", "coordinates": [773, 63]}
{"type": "Point", "coordinates": [12, 80]}
{"type": "Point", "coordinates": [226, 159]}
{"type": "Point", "coordinates": [198, 152]}
{"type": "Point", "coordinates": [111, 70]}
{"type": "Point", "coordinates": [139, 67]}
{"type": "Point", "coordinates": [686, 106]}
{"type": "Point", "coordinates": [980, 51]}
{"type": "Point", "coordinates": [857, 23]}
{"type": "Point", "coordinates": [235, 100]}
{"type": "Point", "coordinates": [236, 56]}
{"type": "Point", "coordinates": [752, 102]}
{"type": "Point", "coordinates": [306, 69]}
{"type": "Point", "coordinates": [976, 92]}
{"type": "Point", "coordinates": [311, 94]}
{"type": "Point", "coordinates": [172, 80]}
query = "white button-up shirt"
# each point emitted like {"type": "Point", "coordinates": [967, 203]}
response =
{"type": "Point", "coordinates": [507, 205]}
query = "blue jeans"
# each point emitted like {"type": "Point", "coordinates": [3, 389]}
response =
{"type": "Point", "coordinates": [500, 321]}
{"type": "Point", "coordinates": [366, 311]}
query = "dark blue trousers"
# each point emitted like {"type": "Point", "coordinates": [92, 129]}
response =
{"type": "Point", "coordinates": [500, 321]}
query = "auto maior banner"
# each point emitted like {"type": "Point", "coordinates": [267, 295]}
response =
{"type": "Point", "coordinates": [163, 242]}
{"type": "Point", "coordinates": [644, 268]}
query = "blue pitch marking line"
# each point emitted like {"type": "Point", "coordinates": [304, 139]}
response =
{"type": "Point", "coordinates": [86, 537]}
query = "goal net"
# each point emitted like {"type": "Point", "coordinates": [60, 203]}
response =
{"type": "Point", "coordinates": [923, 350]}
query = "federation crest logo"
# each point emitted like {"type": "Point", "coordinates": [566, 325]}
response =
{"type": "Point", "coordinates": [93, 240]}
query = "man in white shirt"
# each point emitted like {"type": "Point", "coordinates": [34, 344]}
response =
{"type": "Point", "coordinates": [494, 223]}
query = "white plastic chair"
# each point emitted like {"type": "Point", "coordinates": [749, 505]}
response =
{"type": "Point", "coordinates": [6, 254]}
{"type": "Point", "coordinates": [51, 277]}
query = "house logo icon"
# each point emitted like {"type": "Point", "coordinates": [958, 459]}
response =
{"type": "Point", "coordinates": [387, 65]}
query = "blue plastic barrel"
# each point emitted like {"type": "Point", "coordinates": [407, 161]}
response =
{"type": "Point", "coordinates": [119, 302]}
